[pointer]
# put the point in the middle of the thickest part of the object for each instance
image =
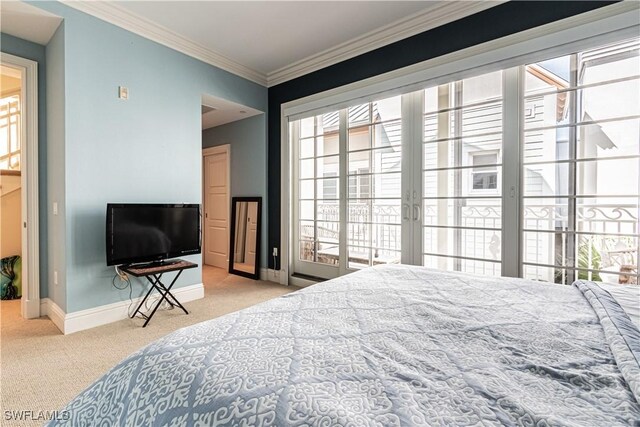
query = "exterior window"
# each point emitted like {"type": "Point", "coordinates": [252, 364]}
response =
{"type": "Point", "coordinates": [10, 132]}
{"type": "Point", "coordinates": [330, 186]}
{"type": "Point", "coordinates": [359, 185]}
{"type": "Point", "coordinates": [484, 175]}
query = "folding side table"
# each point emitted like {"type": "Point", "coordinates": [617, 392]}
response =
{"type": "Point", "coordinates": [153, 274]}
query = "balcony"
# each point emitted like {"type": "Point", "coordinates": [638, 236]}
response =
{"type": "Point", "coordinates": [603, 247]}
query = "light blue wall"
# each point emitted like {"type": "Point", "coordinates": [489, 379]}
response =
{"type": "Point", "coordinates": [56, 116]}
{"type": "Point", "coordinates": [36, 52]}
{"type": "Point", "coordinates": [145, 149]}
{"type": "Point", "coordinates": [248, 162]}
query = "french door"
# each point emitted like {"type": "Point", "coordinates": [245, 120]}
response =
{"type": "Point", "coordinates": [414, 178]}
{"type": "Point", "coordinates": [531, 171]}
{"type": "Point", "coordinates": [401, 180]}
{"type": "Point", "coordinates": [348, 188]}
{"type": "Point", "coordinates": [462, 172]}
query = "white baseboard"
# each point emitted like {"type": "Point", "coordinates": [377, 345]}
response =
{"type": "Point", "coordinates": [52, 311]}
{"type": "Point", "coordinates": [90, 318]}
{"type": "Point", "coordinates": [270, 275]}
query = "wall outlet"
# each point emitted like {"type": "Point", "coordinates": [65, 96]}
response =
{"type": "Point", "coordinates": [55, 208]}
{"type": "Point", "coordinates": [275, 252]}
{"type": "Point", "coordinates": [55, 277]}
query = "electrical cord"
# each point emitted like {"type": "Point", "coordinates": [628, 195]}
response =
{"type": "Point", "coordinates": [274, 266]}
{"type": "Point", "coordinates": [124, 278]}
{"type": "Point", "coordinates": [150, 301]}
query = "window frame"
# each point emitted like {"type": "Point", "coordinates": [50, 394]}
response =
{"type": "Point", "coordinates": [496, 170]}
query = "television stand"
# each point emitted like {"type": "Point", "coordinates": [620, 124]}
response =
{"type": "Point", "coordinates": [153, 264]}
{"type": "Point", "coordinates": [153, 273]}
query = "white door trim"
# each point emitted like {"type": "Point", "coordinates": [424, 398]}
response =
{"type": "Point", "coordinates": [30, 303]}
{"type": "Point", "coordinates": [210, 151]}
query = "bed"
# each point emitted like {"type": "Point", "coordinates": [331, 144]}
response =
{"type": "Point", "coordinates": [387, 346]}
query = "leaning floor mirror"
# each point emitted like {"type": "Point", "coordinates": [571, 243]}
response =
{"type": "Point", "coordinates": [245, 237]}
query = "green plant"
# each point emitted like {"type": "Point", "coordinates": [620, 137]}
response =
{"type": "Point", "coordinates": [585, 263]}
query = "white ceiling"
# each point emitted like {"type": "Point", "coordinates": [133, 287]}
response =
{"type": "Point", "coordinates": [267, 41]}
{"type": "Point", "coordinates": [272, 41]}
{"type": "Point", "coordinates": [27, 22]}
{"type": "Point", "coordinates": [269, 35]}
{"type": "Point", "coordinates": [224, 112]}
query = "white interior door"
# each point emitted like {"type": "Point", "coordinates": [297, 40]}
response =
{"type": "Point", "coordinates": [251, 237]}
{"type": "Point", "coordinates": [216, 206]}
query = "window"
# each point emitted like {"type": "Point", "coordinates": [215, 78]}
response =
{"type": "Point", "coordinates": [359, 184]}
{"type": "Point", "coordinates": [10, 132]}
{"type": "Point", "coordinates": [484, 175]}
{"type": "Point", "coordinates": [330, 186]}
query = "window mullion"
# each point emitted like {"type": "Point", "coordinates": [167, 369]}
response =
{"type": "Point", "coordinates": [571, 239]}
{"type": "Point", "coordinates": [416, 149]}
{"type": "Point", "coordinates": [513, 106]}
{"type": "Point", "coordinates": [457, 182]}
{"type": "Point", "coordinates": [343, 191]}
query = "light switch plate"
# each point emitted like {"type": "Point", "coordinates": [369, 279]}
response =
{"type": "Point", "coordinates": [123, 92]}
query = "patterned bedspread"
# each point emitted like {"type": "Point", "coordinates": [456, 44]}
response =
{"type": "Point", "coordinates": [387, 346]}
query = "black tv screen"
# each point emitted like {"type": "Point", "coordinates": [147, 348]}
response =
{"type": "Point", "coordinates": [138, 233]}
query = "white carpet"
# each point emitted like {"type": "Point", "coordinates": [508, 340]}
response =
{"type": "Point", "coordinates": [41, 369]}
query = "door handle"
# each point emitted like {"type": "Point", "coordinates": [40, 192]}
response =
{"type": "Point", "coordinates": [406, 208]}
{"type": "Point", "coordinates": [416, 211]}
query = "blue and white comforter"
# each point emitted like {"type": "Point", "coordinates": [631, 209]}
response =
{"type": "Point", "coordinates": [387, 346]}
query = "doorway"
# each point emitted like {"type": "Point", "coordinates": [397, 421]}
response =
{"type": "Point", "coordinates": [19, 183]}
{"type": "Point", "coordinates": [216, 190]}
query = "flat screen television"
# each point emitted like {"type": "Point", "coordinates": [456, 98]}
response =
{"type": "Point", "coordinates": [151, 233]}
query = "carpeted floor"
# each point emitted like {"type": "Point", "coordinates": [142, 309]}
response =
{"type": "Point", "coordinates": [41, 369]}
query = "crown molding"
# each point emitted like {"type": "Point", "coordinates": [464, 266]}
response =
{"type": "Point", "coordinates": [119, 16]}
{"type": "Point", "coordinates": [442, 13]}
{"type": "Point", "coordinates": [406, 27]}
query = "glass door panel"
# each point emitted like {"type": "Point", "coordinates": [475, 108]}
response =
{"type": "Point", "coordinates": [462, 175]}
{"type": "Point", "coordinates": [374, 158]}
{"type": "Point", "coordinates": [581, 186]}
{"type": "Point", "coordinates": [317, 194]}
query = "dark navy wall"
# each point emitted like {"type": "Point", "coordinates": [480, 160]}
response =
{"type": "Point", "coordinates": [35, 52]}
{"type": "Point", "coordinates": [499, 21]}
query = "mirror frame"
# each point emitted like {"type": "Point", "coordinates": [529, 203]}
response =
{"type": "Point", "coordinates": [234, 201]}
